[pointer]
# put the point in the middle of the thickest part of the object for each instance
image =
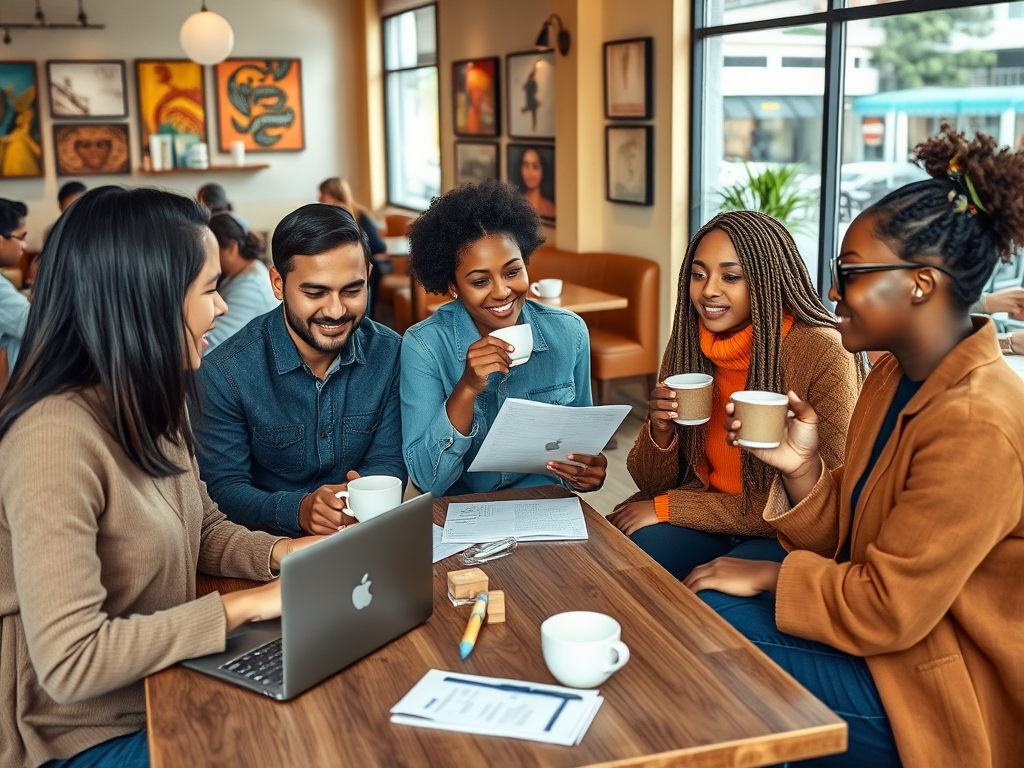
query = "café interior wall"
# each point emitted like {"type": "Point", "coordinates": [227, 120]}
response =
{"type": "Point", "coordinates": [322, 33]}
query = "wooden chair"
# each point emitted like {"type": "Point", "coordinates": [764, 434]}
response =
{"type": "Point", "coordinates": [397, 226]}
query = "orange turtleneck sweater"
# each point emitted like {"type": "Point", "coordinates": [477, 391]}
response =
{"type": "Point", "coordinates": [730, 354]}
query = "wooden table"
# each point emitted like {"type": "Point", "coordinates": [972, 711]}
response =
{"type": "Point", "coordinates": [580, 298]}
{"type": "Point", "coordinates": [694, 693]}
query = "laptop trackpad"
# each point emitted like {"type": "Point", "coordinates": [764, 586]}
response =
{"type": "Point", "coordinates": [239, 642]}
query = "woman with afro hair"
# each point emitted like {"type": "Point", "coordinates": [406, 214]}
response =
{"type": "Point", "coordinates": [474, 243]}
{"type": "Point", "coordinates": [899, 604]}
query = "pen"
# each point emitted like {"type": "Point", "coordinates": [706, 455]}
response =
{"type": "Point", "coordinates": [476, 619]}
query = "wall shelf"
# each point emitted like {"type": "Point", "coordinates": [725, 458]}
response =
{"type": "Point", "coordinates": [211, 169]}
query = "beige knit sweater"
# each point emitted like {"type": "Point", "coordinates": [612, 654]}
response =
{"type": "Point", "coordinates": [97, 579]}
{"type": "Point", "coordinates": [815, 366]}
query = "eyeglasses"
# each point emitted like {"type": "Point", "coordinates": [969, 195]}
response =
{"type": "Point", "coordinates": [841, 271]}
{"type": "Point", "coordinates": [23, 236]}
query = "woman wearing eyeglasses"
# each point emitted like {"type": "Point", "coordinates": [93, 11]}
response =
{"type": "Point", "coordinates": [900, 603]}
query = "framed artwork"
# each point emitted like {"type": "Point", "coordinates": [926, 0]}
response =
{"type": "Point", "coordinates": [531, 167]}
{"type": "Point", "coordinates": [21, 143]}
{"type": "Point", "coordinates": [531, 94]}
{"type": "Point", "coordinates": [627, 79]}
{"type": "Point", "coordinates": [476, 107]}
{"type": "Point", "coordinates": [629, 164]}
{"type": "Point", "coordinates": [172, 100]}
{"type": "Point", "coordinates": [86, 149]}
{"type": "Point", "coordinates": [476, 161]}
{"type": "Point", "coordinates": [259, 102]}
{"type": "Point", "coordinates": [87, 89]}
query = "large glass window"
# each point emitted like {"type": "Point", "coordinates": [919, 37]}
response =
{"type": "Point", "coordinates": [411, 107]}
{"type": "Point", "coordinates": [825, 100]}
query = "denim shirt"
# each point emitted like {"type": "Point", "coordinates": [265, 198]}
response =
{"type": "Point", "coordinates": [13, 316]}
{"type": "Point", "coordinates": [433, 361]}
{"type": "Point", "coordinates": [270, 431]}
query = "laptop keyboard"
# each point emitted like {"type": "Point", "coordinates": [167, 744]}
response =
{"type": "Point", "coordinates": [263, 665]}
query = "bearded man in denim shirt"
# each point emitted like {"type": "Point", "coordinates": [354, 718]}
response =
{"type": "Point", "coordinates": [304, 398]}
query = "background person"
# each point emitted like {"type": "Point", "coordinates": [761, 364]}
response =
{"type": "Point", "coordinates": [13, 306]}
{"type": "Point", "coordinates": [474, 242]}
{"type": "Point", "coordinates": [104, 593]}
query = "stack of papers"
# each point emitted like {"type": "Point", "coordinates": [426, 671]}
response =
{"type": "Point", "coordinates": [443, 549]}
{"type": "Point", "coordinates": [494, 706]}
{"type": "Point", "coordinates": [525, 520]}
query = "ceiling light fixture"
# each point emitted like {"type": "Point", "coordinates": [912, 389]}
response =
{"type": "Point", "coordinates": [562, 39]}
{"type": "Point", "coordinates": [206, 37]}
{"type": "Point", "coordinates": [40, 22]}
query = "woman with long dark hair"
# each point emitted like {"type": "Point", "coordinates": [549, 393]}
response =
{"type": "Point", "coordinates": [103, 517]}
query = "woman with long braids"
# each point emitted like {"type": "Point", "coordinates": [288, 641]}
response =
{"type": "Point", "coordinates": [899, 605]}
{"type": "Point", "coordinates": [747, 314]}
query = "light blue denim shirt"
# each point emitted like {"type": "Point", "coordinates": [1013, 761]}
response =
{"type": "Point", "coordinates": [433, 361]}
{"type": "Point", "coordinates": [13, 316]}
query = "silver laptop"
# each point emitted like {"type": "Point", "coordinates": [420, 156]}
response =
{"type": "Point", "coordinates": [341, 598]}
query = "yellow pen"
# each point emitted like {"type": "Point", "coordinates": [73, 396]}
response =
{"type": "Point", "coordinates": [476, 619]}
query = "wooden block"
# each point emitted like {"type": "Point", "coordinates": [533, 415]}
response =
{"type": "Point", "coordinates": [466, 583]}
{"type": "Point", "coordinates": [495, 607]}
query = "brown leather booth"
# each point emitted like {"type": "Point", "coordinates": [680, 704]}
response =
{"type": "Point", "coordinates": [397, 226]}
{"type": "Point", "coordinates": [623, 342]}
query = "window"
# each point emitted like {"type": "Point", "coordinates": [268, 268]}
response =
{"type": "Point", "coordinates": [411, 107]}
{"type": "Point", "coordinates": [864, 82]}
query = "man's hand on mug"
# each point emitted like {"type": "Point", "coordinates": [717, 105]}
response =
{"type": "Point", "coordinates": [322, 512]}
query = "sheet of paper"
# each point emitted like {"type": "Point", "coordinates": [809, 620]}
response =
{"type": "Point", "coordinates": [492, 706]}
{"type": "Point", "coordinates": [526, 435]}
{"type": "Point", "coordinates": [443, 549]}
{"type": "Point", "coordinates": [526, 520]}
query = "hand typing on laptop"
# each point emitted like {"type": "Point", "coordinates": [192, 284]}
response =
{"type": "Point", "coordinates": [322, 512]}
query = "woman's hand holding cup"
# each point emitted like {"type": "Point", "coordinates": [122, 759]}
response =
{"type": "Point", "coordinates": [662, 408]}
{"type": "Point", "coordinates": [484, 357]}
{"type": "Point", "coordinates": [796, 457]}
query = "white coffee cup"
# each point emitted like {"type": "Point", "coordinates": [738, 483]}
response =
{"type": "Point", "coordinates": [370, 496]}
{"type": "Point", "coordinates": [582, 648]}
{"type": "Point", "coordinates": [548, 288]}
{"type": "Point", "coordinates": [521, 338]}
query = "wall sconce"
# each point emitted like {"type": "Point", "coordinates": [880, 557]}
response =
{"type": "Point", "coordinates": [206, 37]}
{"type": "Point", "coordinates": [562, 38]}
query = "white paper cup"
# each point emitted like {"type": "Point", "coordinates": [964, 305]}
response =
{"type": "Point", "coordinates": [520, 337]}
{"type": "Point", "coordinates": [762, 416]}
{"type": "Point", "coordinates": [549, 288]}
{"type": "Point", "coordinates": [581, 648]}
{"type": "Point", "coordinates": [694, 393]}
{"type": "Point", "coordinates": [373, 495]}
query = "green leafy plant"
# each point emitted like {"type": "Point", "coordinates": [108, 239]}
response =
{"type": "Point", "coordinates": [775, 191]}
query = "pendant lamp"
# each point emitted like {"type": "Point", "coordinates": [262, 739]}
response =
{"type": "Point", "coordinates": [206, 37]}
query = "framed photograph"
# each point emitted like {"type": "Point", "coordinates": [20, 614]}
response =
{"type": "Point", "coordinates": [87, 89]}
{"type": "Point", "coordinates": [629, 164]}
{"type": "Point", "coordinates": [476, 161]}
{"type": "Point", "coordinates": [531, 167]}
{"type": "Point", "coordinates": [172, 100]}
{"type": "Point", "coordinates": [531, 94]}
{"type": "Point", "coordinates": [259, 102]}
{"type": "Point", "coordinates": [628, 94]}
{"type": "Point", "coordinates": [21, 143]}
{"type": "Point", "coordinates": [89, 149]}
{"type": "Point", "coordinates": [476, 107]}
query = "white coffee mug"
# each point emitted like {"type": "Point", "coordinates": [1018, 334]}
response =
{"type": "Point", "coordinates": [582, 648]}
{"type": "Point", "coordinates": [521, 338]}
{"type": "Point", "coordinates": [549, 288]}
{"type": "Point", "coordinates": [370, 496]}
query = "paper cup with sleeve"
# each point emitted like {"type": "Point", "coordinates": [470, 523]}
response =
{"type": "Point", "coordinates": [762, 418]}
{"type": "Point", "coordinates": [693, 392]}
{"type": "Point", "coordinates": [520, 337]}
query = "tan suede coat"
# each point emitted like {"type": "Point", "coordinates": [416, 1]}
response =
{"type": "Point", "coordinates": [933, 595]}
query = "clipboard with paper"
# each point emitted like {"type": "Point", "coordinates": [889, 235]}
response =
{"type": "Point", "coordinates": [526, 435]}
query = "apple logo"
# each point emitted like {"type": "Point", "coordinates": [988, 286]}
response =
{"type": "Point", "coordinates": [361, 596]}
{"type": "Point", "coordinates": [554, 446]}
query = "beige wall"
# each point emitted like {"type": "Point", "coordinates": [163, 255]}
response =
{"type": "Point", "coordinates": [320, 32]}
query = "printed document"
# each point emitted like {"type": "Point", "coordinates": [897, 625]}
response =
{"type": "Point", "coordinates": [526, 435]}
{"type": "Point", "coordinates": [443, 549]}
{"type": "Point", "coordinates": [493, 706]}
{"type": "Point", "coordinates": [524, 520]}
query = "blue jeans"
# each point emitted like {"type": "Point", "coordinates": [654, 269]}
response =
{"type": "Point", "coordinates": [131, 751]}
{"type": "Point", "coordinates": [841, 681]}
{"type": "Point", "coordinates": [679, 550]}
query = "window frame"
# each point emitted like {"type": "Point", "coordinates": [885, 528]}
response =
{"type": "Point", "coordinates": [834, 20]}
{"type": "Point", "coordinates": [385, 73]}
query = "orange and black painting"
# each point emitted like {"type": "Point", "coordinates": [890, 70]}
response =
{"type": "Point", "coordinates": [259, 102]}
{"type": "Point", "coordinates": [171, 99]}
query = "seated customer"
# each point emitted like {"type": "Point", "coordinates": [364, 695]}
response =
{"type": "Point", "coordinates": [13, 306]}
{"type": "Point", "coordinates": [95, 437]}
{"type": "Point", "coordinates": [899, 605]}
{"type": "Point", "coordinates": [475, 243]}
{"type": "Point", "coordinates": [68, 193]}
{"type": "Point", "coordinates": [305, 397]}
{"type": "Point", "coordinates": [244, 282]}
{"type": "Point", "coordinates": [747, 314]}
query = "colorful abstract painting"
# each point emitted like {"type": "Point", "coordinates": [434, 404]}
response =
{"type": "Point", "coordinates": [475, 98]}
{"type": "Point", "coordinates": [21, 145]}
{"type": "Point", "coordinates": [171, 99]}
{"type": "Point", "coordinates": [259, 102]}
